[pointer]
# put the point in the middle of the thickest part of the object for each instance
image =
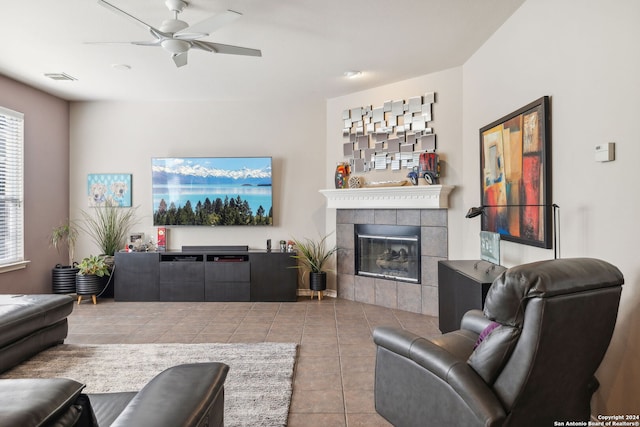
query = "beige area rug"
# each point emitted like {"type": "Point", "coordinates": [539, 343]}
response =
{"type": "Point", "coordinates": [257, 390]}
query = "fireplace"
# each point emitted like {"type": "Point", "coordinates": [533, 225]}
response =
{"type": "Point", "coordinates": [389, 252]}
{"type": "Point", "coordinates": [422, 206]}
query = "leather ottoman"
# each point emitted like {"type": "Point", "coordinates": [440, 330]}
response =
{"type": "Point", "coordinates": [29, 324]}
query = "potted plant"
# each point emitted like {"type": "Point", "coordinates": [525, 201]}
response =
{"type": "Point", "coordinates": [90, 278]}
{"type": "Point", "coordinates": [108, 226]}
{"type": "Point", "coordinates": [63, 277]}
{"type": "Point", "coordinates": [313, 255]}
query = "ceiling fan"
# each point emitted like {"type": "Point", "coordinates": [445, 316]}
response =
{"type": "Point", "coordinates": [177, 37]}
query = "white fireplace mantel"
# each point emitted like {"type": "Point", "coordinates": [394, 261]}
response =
{"type": "Point", "coordinates": [406, 197]}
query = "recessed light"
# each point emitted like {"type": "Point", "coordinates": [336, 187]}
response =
{"type": "Point", "coordinates": [352, 74]}
{"type": "Point", "coordinates": [121, 67]}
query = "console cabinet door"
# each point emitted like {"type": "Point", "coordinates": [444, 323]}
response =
{"type": "Point", "coordinates": [136, 276]}
{"type": "Point", "coordinates": [273, 277]}
{"type": "Point", "coordinates": [227, 281]}
{"type": "Point", "coordinates": [182, 280]}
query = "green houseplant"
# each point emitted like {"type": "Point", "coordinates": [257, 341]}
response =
{"type": "Point", "coordinates": [63, 277]}
{"type": "Point", "coordinates": [94, 265]}
{"type": "Point", "coordinates": [108, 226]}
{"type": "Point", "coordinates": [65, 234]}
{"type": "Point", "coordinates": [313, 256]}
{"type": "Point", "coordinates": [92, 271]}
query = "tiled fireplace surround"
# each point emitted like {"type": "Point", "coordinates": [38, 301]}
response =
{"type": "Point", "coordinates": [417, 298]}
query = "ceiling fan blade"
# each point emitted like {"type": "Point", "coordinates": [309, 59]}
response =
{"type": "Point", "coordinates": [156, 42]}
{"type": "Point", "coordinates": [154, 31]}
{"type": "Point", "coordinates": [225, 48]}
{"type": "Point", "coordinates": [180, 59]}
{"type": "Point", "coordinates": [137, 43]}
{"type": "Point", "coordinates": [208, 26]}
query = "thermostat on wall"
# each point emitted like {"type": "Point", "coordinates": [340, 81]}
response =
{"type": "Point", "coordinates": [606, 152]}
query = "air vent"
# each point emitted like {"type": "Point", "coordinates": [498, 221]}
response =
{"type": "Point", "coordinates": [60, 76]}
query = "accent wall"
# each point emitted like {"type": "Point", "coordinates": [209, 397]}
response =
{"type": "Point", "coordinates": [46, 182]}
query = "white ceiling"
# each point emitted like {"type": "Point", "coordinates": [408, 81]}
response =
{"type": "Point", "coordinates": [307, 45]}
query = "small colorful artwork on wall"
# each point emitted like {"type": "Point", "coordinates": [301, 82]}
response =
{"type": "Point", "coordinates": [109, 188]}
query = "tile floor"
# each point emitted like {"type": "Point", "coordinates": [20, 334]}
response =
{"type": "Point", "coordinates": [333, 382]}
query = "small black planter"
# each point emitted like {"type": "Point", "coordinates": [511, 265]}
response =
{"type": "Point", "coordinates": [89, 285]}
{"type": "Point", "coordinates": [63, 279]}
{"type": "Point", "coordinates": [317, 282]}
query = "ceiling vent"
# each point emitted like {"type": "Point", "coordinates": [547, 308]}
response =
{"type": "Point", "coordinates": [60, 76]}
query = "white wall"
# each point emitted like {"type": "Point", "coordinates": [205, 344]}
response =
{"type": "Point", "coordinates": [121, 137]}
{"type": "Point", "coordinates": [585, 56]}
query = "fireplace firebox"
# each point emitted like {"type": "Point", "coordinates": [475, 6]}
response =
{"type": "Point", "coordinates": [389, 252]}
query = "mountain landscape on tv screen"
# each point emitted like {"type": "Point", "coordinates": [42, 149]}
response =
{"type": "Point", "coordinates": [181, 179]}
{"type": "Point", "coordinates": [199, 175]}
{"type": "Point", "coordinates": [212, 191]}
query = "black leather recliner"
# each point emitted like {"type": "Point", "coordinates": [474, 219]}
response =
{"type": "Point", "coordinates": [528, 360]}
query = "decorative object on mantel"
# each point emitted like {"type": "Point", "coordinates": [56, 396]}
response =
{"type": "Point", "coordinates": [355, 181]}
{"type": "Point", "coordinates": [313, 256]}
{"type": "Point", "coordinates": [428, 168]}
{"type": "Point", "coordinates": [392, 135]}
{"type": "Point", "coordinates": [343, 170]}
{"type": "Point", "coordinates": [515, 175]}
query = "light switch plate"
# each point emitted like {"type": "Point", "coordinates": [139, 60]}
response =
{"type": "Point", "coordinates": [605, 152]}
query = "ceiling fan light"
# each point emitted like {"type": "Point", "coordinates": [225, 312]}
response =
{"type": "Point", "coordinates": [176, 46]}
{"type": "Point", "coordinates": [173, 25]}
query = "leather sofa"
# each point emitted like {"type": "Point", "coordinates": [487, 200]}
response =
{"type": "Point", "coordinates": [190, 395]}
{"type": "Point", "coordinates": [528, 359]}
{"type": "Point", "coordinates": [30, 324]}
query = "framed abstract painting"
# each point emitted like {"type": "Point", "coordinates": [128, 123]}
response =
{"type": "Point", "coordinates": [515, 175]}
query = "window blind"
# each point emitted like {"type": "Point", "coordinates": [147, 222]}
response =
{"type": "Point", "coordinates": [11, 187]}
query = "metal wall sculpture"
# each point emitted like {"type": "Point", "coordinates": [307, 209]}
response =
{"type": "Point", "coordinates": [390, 136]}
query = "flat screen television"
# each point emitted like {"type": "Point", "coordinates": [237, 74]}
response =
{"type": "Point", "coordinates": [212, 191]}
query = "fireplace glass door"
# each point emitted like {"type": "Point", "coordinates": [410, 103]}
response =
{"type": "Point", "coordinates": [388, 252]}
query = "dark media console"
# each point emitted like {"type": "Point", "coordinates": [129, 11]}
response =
{"type": "Point", "coordinates": [206, 274]}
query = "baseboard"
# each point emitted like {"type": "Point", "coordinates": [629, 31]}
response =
{"type": "Point", "coordinates": [332, 293]}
